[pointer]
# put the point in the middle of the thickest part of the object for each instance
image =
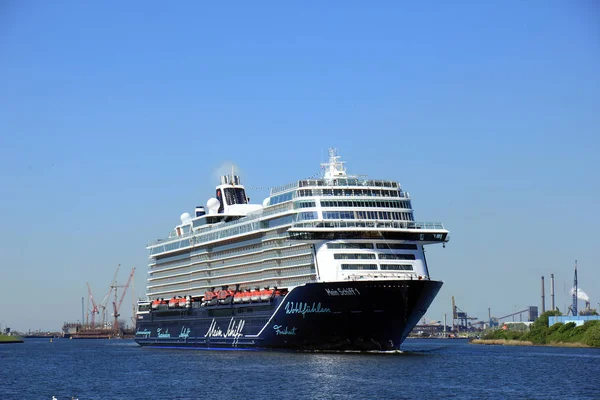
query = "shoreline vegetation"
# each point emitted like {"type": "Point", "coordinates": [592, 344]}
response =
{"type": "Point", "coordinates": [10, 339]}
{"type": "Point", "coordinates": [504, 342]}
{"type": "Point", "coordinates": [540, 334]}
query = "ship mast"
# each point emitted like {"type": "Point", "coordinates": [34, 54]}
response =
{"type": "Point", "coordinates": [334, 168]}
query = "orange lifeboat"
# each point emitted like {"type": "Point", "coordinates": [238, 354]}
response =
{"type": "Point", "coordinates": [174, 302]}
{"type": "Point", "coordinates": [246, 296]}
{"type": "Point", "coordinates": [182, 302]}
{"type": "Point", "coordinates": [265, 294]}
{"type": "Point", "coordinates": [208, 296]}
{"type": "Point", "coordinates": [211, 298]}
{"type": "Point", "coordinates": [155, 304]}
{"type": "Point", "coordinates": [222, 294]}
{"type": "Point", "coordinates": [225, 296]}
{"type": "Point", "coordinates": [237, 298]}
{"type": "Point", "coordinates": [255, 295]}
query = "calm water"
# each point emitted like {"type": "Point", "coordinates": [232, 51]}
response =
{"type": "Point", "coordinates": [427, 369]}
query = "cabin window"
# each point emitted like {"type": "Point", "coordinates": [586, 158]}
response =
{"type": "Point", "coordinates": [307, 215]}
{"type": "Point", "coordinates": [304, 204]}
{"type": "Point", "coordinates": [396, 256]}
{"type": "Point", "coordinates": [359, 266]}
{"type": "Point", "coordinates": [396, 246]}
{"type": "Point", "coordinates": [281, 198]}
{"type": "Point", "coordinates": [349, 245]}
{"type": "Point", "coordinates": [235, 196]}
{"type": "Point", "coordinates": [396, 267]}
{"type": "Point", "coordinates": [356, 256]}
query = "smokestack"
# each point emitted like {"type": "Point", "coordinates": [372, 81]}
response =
{"type": "Point", "coordinates": [444, 325]}
{"type": "Point", "coordinates": [574, 310]}
{"type": "Point", "coordinates": [552, 291]}
{"type": "Point", "coordinates": [543, 297]}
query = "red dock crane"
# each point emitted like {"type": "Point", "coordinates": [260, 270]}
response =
{"type": "Point", "coordinates": [117, 306]}
{"type": "Point", "coordinates": [94, 310]}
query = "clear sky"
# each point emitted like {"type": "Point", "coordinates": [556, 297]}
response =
{"type": "Point", "coordinates": [114, 117]}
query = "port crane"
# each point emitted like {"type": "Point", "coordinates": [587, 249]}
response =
{"type": "Point", "coordinates": [104, 303]}
{"type": "Point", "coordinates": [117, 305]}
{"type": "Point", "coordinates": [460, 316]}
{"type": "Point", "coordinates": [94, 310]}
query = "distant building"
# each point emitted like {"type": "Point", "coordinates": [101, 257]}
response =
{"type": "Point", "coordinates": [578, 319]}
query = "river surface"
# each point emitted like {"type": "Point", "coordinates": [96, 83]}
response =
{"type": "Point", "coordinates": [426, 369]}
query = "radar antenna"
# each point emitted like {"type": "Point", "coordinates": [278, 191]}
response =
{"type": "Point", "coordinates": [334, 167]}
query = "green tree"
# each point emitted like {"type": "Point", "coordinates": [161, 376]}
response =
{"type": "Point", "coordinates": [592, 334]}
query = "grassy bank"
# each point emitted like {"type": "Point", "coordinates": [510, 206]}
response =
{"type": "Point", "coordinates": [10, 339]}
{"type": "Point", "coordinates": [563, 335]}
{"type": "Point", "coordinates": [504, 342]}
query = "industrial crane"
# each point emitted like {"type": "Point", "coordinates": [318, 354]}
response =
{"type": "Point", "coordinates": [460, 315]}
{"type": "Point", "coordinates": [104, 303]}
{"type": "Point", "coordinates": [117, 306]}
{"type": "Point", "coordinates": [94, 306]}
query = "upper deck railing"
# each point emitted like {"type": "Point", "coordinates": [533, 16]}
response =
{"type": "Point", "coordinates": [337, 182]}
{"type": "Point", "coordinates": [277, 209]}
{"type": "Point", "coordinates": [369, 224]}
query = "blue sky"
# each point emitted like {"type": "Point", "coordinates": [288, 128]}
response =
{"type": "Point", "coordinates": [114, 118]}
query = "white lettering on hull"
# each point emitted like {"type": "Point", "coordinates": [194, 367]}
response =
{"type": "Point", "coordinates": [161, 334]}
{"type": "Point", "coordinates": [283, 330]}
{"type": "Point", "coordinates": [185, 332]}
{"type": "Point", "coordinates": [234, 330]}
{"type": "Point", "coordinates": [304, 308]}
{"type": "Point", "coordinates": [342, 292]}
{"type": "Point", "coordinates": [146, 333]}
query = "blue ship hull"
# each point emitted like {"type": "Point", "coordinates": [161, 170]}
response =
{"type": "Point", "coordinates": [373, 315]}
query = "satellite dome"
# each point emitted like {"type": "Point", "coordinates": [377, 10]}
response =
{"type": "Point", "coordinates": [266, 202]}
{"type": "Point", "coordinates": [185, 217]}
{"type": "Point", "coordinates": [213, 205]}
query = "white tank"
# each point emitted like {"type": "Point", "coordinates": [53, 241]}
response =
{"type": "Point", "coordinates": [213, 205]}
{"type": "Point", "coordinates": [185, 218]}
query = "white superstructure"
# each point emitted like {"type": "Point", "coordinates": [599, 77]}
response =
{"type": "Point", "coordinates": [336, 228]}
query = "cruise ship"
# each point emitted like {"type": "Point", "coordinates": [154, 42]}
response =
{"type": "Point", "coordinates": [329, 264]}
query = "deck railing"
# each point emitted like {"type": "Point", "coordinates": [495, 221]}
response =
{"type": "Point", "coordinates": [368, 224]}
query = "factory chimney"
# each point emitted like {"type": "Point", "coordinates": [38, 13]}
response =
{"type": "Point", "coordinates": [574, 307]}
{"type": "Point", "coordinates": [543, 297]}
{"type": "Point", "coordinates": [552, 290]}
